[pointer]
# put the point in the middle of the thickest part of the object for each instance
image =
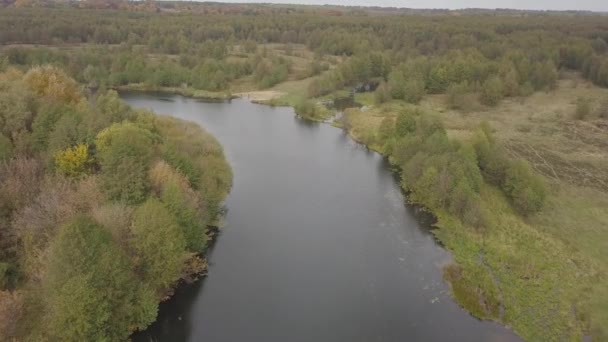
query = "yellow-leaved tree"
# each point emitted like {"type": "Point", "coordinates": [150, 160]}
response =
{"type": "Point", "coordinates": [52, 82]}
{"type": "Point", "coordinates": [74, 161]}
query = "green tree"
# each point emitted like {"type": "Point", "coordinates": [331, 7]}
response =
{"type": "Point", "coordinates": [160, 244]}
{"type": "Point", "coordinates": [183, 205]}
{"type": "Point", "coordinates": [457, 96]}
{"type": "Point", "coordinates": [405, 124]}
{"type": "Point", "coordinates": [387, 128]}
{"type": "Point", "coordinates": [125, 152]}
{"type": "Point", "coordinates": [524, 187]}
{"type": "Point", "coordinates": [90, 291]}
{"type": "Point", "coordinates": [491, 92]}
{"type": "Point", "coordinates": [413, 90]}
{"type": "Point", "coordinates": [382, 93]}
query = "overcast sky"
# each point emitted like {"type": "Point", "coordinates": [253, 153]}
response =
{"type": "Point", "coordinates": [592, 5]}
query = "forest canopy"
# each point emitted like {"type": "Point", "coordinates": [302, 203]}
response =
{"type": "Point", "coordinates": [103, 209]}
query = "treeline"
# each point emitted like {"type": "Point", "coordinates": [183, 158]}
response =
{"type": "Point", "coordinates": [102, 209]}
{"type": "Point", "coordinates": [206, 69]}
{"type": "Point", "coordinates": [414, 55]}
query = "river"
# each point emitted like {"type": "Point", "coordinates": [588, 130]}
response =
{"type": "Point", "coordinates": [318, 243]}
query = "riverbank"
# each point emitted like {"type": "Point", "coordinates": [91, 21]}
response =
{"type": "Point", "coordinates": [183, 91]}
{"type": "Point", "coordinates": [543, 275]}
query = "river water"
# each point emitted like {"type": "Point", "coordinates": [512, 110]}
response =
{"type": "Point", "coordinates": [318, 243]}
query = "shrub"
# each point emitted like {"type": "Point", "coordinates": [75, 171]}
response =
{"type": "Point", "coordinates": [387, 128]}
{"type": "Point", "coordinates": [526, 190]}
{"type": "Point", "coordinates": [405, 124]}
{"type": "Point", "coordinates": [457, 96]}
{"type": "Point", "coordinates": [382, 93]}
{"type": "Point", "coordinates": [413, 90]}
{"type": "Point", "coordinates": [308, 109]}
{"type": "Point", "coordinates": [491, 91]}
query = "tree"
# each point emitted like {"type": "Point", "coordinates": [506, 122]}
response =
{"type": "Point", "coordinates": [413, 90]}
{"type": "Point", "coordinates": [125, 152]}
{"type": "Point", "coordinates": [160, 244]}
{"type": "Point", "coordinates": [382, 93]}
{"type": "Point", "coordinates": [491, 92]}
{"type": "Point", "coordinates": [599, 45]}
{"type": "Point", "coordinates": [405, 124]}
{"type": "Point", "coordinates": [457, 96]}
{"type": "Point", "coordinates": [526, 189]}
{"type": "Point", "coordinates": [387, 128]}
{"type": "Point", "coordinates": [52, 82]}
{"type": "Point", "coordinates": [545, 76]}
{"type": "Point", "coordinates": [74, 162]}
{"type": "Point", "coordinates": [90, 292]}
{"type": "Point", "coordinates": [511, 83]}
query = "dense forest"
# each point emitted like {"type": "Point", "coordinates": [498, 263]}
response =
{"type": "Point", "coordinates": [504, 55]}
{"type": "Point", "coordinates": [103, 209]}
{"type": "Point", "coordinates": [484, 113]}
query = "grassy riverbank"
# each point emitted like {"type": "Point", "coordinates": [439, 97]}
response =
{"type": "Point", "coordinates": [183, 91]}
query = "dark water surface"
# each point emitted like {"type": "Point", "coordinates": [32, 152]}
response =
{"type": "Point", "coordinates": [318, 244]}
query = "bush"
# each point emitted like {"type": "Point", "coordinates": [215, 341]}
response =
{"type": "Point", "coordinates": [386, 129]}
{"type": "Point", "coordinates": [457, 96]}
{"type": "Point", "coordinates": [382, 93]}
{"type": "Point", "coordinates": [583, 108]}
{"type": "Point", "coordinates": [526, 190]}
{"type": "Point", "coordinates": [308, 109]}
{"type": "Point", "coordinates": [491, 92]}
{"type": "Point", "coordinates": [405, 124]}
{"type": "Point", "coordinates": [413, 90]}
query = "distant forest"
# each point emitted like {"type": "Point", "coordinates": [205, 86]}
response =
{"type": "Point", "coordinates": [172, 45]}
